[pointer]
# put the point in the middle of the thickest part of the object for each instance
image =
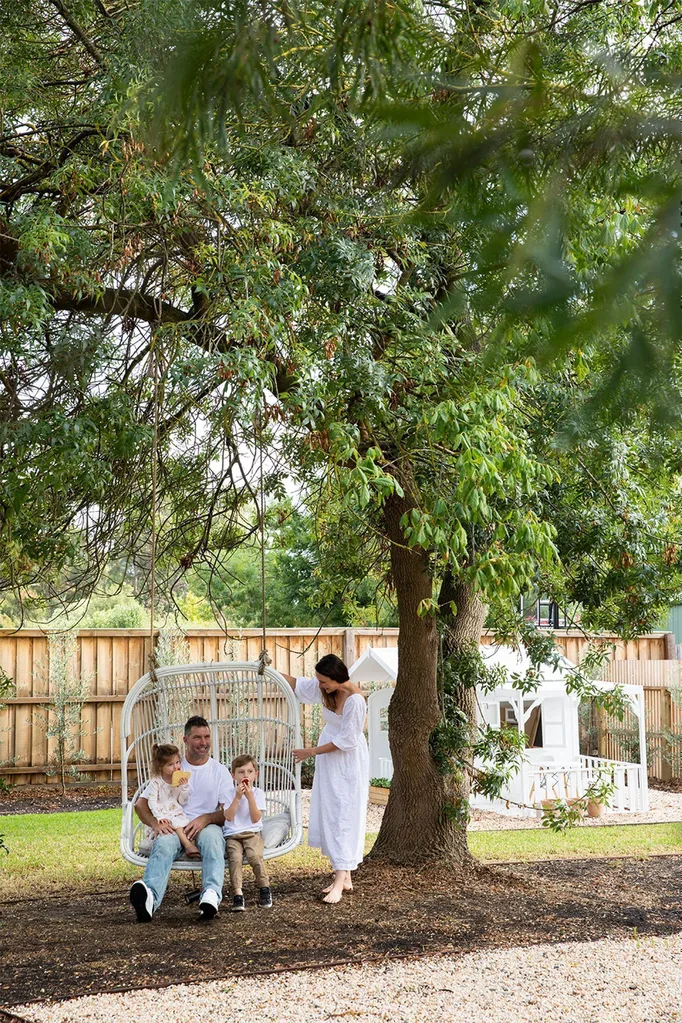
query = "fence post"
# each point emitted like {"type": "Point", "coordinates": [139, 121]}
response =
{"type": "Point", "coordinates": [669, 646]}
{"type": "Point", "coordinates": [348, 647]}
{"type": "Point", "coordinates": [666, 725]}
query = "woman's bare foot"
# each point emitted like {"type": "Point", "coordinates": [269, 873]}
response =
{"type": "Point", "coordinates": [335, 894]}
{"type": "Point", "coordinates": [341, 883]}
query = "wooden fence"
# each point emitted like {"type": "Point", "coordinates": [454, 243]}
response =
{"type": "Point", "coordinates": [618, 740]}
{"type": "Point", "coordinates": [111, 661]}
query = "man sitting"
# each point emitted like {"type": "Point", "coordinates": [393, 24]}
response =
{"type": "Point", "coordinates": [210, 787]}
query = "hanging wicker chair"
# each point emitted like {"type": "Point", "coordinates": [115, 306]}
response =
{"type": "Point", "coordinates": [250, 708]}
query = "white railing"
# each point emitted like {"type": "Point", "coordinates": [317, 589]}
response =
{"type": "Point", "coordinates": [571, 781]}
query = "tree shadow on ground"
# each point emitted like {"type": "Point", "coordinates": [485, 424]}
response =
{"type": "Point", "coordinates": [78, 943]}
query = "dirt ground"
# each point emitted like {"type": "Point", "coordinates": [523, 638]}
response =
{"type": "Point", "coordinates": [75, 944]}
{"type": "Point", "coordinates": [78, 943]}
{"type": "Point", "coordinates": [89, 796]}
{"type": "Point", "coordinates": [48, 798]}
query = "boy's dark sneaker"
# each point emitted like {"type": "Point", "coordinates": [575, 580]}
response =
{"type": "Point", "coordinates": [265, 899]}
{"type": "Point", "coordinates": [237, 904]}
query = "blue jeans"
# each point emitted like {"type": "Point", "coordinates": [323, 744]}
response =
{"type": "Point", "coordinates": [167, 848]}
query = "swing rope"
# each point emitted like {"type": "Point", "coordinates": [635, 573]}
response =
{"type": "Point", "coordinates": [264, 658]}
{"type": "Point", "coordinates": [155, 454]}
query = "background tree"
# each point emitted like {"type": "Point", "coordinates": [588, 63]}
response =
{"type": "Point", "coordinates": [62, 716]}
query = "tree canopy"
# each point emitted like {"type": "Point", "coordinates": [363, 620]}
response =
{"type": "Point", "coordinates": [424, 256]}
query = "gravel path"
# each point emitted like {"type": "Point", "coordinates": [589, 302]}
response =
{"type": "Point", "coordinates": [598, 982]}
{"type": "Point", "coordinates": [664, 807]}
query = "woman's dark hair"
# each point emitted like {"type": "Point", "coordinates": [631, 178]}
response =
{"type": "Point", "coordinates": [334, 668]}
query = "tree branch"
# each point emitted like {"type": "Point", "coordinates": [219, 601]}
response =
{"type": "Point", "coordinates": [78, 31]}
{"type": "Point", "coordinates": [17, 188]}
{"type": "Point", "coordinates": [138, 306]}
{"type": "Point", "coordinates": [121, 302]}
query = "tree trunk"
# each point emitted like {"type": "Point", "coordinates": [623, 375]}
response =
{"type": "Point", "coordinates": [416, 827]}
{"type": "Point", "coordinates": [461, 629]}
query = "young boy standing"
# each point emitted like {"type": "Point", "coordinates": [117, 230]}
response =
{"type": "Point", "coordinates": [243, 827]}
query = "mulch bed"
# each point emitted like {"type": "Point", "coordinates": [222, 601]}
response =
{"type": "Point", "coordinates": [76, 944]}
{"type": "Point", "coordinates": [671, 785]}
{"type": "Point", "coordinates": [48, 798]}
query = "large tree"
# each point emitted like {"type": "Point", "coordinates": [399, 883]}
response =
{"type": "Point", "coordinates": [403, 248]}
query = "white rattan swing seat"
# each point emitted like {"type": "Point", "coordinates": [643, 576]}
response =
{"type": "Point", "coordinates": [247, 712]}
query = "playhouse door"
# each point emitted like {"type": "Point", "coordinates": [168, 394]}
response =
{"type": "Point", "coordinates": [380, 762]}
{"type": "Point", "coordinates": [554, 723]}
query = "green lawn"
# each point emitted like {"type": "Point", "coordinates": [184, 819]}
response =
{"type": "Point", "coordinates": [537, 844]}
{"type": "Point", "coordinates": [51, 851]}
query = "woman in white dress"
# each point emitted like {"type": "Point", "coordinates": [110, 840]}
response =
{"type": "Point", "coordinates": [338, 804]}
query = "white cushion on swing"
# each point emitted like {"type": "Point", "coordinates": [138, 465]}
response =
{"type": "Point", "coordinates": [145, 846]}
{"type": "Point", "coordinates": [276, 829]}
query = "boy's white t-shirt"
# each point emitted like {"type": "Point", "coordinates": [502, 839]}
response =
{"type": "Point", "coordinates": [242, 819]}
{"type": "Point", "coordinates": [210, 785]}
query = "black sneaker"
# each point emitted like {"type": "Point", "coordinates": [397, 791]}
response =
{"type": "Point", "coordinates": [142, 901]}
{"type": "Point", "coordinates": [265, 898]}
{"type": "Point", "coordinates": [237, 904]}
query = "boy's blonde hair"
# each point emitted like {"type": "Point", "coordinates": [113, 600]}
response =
{"type": "Point", "coordinates": [242, 760]}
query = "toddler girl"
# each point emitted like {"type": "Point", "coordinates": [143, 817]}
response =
{"type": "Point", "coordinates": [166, 800]}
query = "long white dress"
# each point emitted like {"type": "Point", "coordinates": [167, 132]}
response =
{"type": "Point", "coordinates": [338, 804]}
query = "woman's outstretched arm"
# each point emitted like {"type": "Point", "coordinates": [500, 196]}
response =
{"type": "Point", "coordinates": [313, 751]}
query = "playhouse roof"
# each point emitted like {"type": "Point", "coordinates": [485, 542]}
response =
{"type": "Point", "coordinates": [380, 664]}
{"type": "Point", "coordinates": [377, 664]}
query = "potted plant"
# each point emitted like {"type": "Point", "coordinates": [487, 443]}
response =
{"type": "Point", "coordinates": [378, 791]}
{"type": "Point", "coordinates": [599, 794]}
{"type": "Point", "coordinates": [595, 808]}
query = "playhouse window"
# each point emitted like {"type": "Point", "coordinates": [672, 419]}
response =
{"type": "Point", "coordinates": [532, 727]}
{"type": "Point", "coordinates": [508, 715]}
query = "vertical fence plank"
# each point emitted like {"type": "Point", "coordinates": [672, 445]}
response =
{"type": "Point", "coordinates": [104, 681]}
{"type": "Point", "coordinates": [88, 648]}
{"type": "Point", "coordinates": [136, 665]}
{"type": "Point", "coordinates": [8, 650]}
{"type": "Point", "coordinates": [119, 687]}
{"type": "Point", "coordinates": [280, 657]}
{"type": "Point", "coordinates": [39, 714]}
{"type": "Point", "coordinates": [24, 687]}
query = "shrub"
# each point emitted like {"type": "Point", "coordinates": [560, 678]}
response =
{"type": "Point", "coordinates": [127, 614]}
{"type": "Point", "coordinates": [380, 783]}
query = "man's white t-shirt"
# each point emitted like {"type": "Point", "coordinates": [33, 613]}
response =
{"type": "Point", "coordinates": [242, 819]}
{"type": "Point", "coordinates": [210, 786]}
